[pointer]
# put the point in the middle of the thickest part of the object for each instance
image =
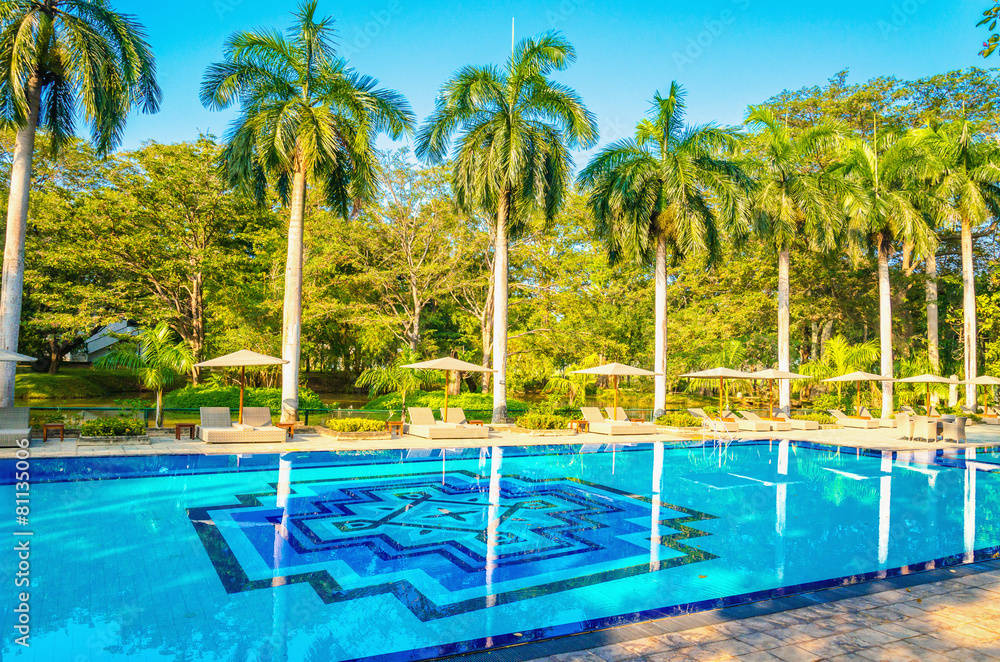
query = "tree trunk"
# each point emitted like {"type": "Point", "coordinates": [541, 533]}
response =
{"type": "Point", "coordinates": [825, 337]}
{"type": "Point", "coordinates": [660, 348]}
{"type": "Point", "coordinates": [814, 341]}
{"type": "Point", "coordinates": [13, 253]}
{"type": "Point", "coordinates": [933, 339]}
{"type": "Point", "coordinates": [500, 314]}
{"type": "Point", "coordinates": [486, 329]}
{"type": "Point", "coordinates": [784, 333]}
{"type": "Point", "coordinates": [969, 313]}
{"type": "Point", "coordinates": [885, 322]}
{"type": "Point", "coordinates": [159, 408]}
{"type": "Point", "coordinates": [291, 335]}
{"type": "Point", "coordinates": [55, 355]}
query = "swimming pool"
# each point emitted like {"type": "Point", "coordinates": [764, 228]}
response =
{"type": "Point", "coordinates": [399, 555]}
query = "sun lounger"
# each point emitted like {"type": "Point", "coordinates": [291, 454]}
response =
{"type": "Point", "coordinates": [422, 424]}
{"type": "Point", "coordinates": [639, 427]}
{"type": "Point", "coordinates": [217, 427]}
{"type": "Point", "coordinates": [882, 422]}
{"type": "Point", "coordinates": [954, 431]}
{"type": "Point", "coordinates": [849, 422]}
{"type": "Point", "coordinates": [908, 409]}
{"type": "Point", "coordinates": [14, 426]}
{"type": "Point", "coordinates": [597, 424]}
{"type": "Point", "coordinates": [798, 424]}
{"type": "Point", "coordinates": [991, 416]}
{"type": "Point", "coordinates": [773, 426]}
{"type": "Point", "coordinates": [718, 423]}
{"type": "Point", "coordinates": [455, 415]}
{"type": "Point", "coordinates": [971, 411]}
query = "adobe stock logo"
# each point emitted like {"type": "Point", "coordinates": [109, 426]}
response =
{"type": "Point", "coordinates": [714, 28]}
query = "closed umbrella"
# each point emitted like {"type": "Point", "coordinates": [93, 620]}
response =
{"type": "Point", "coordinates": [929, 379]}
{"type": "Point", "coordinates": [615, 371]}
{"type": "Point", "coordinates": [984, 380]}
{"type": "Point", "coordinates": [722, 374]}
{"type": "Point", "coordinates": [771, 375]}
{"type": "Point", "coordinates": [241, 360]}
{"type": "Point", "coordinates": [447, 364]}
{"type": "Point", "coordinates": [859, 377]}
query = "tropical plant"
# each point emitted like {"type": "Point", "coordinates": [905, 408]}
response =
{"type": "Point", "coordinates": [790, 203]}
{"type": "Point", "coordinates": [355, 424]}
{"type": "Point", "coordinates": [155, 357]}
{"type": "Point", "coordinates": [394, 378]}
{"type": "Point", "coordinates": [306, 118]}
{"type": "Point", "coordinates": [968, 186]}
{"type": "Point", "coordinates": [884, 194]}
{"type": "Point", "coordinates": [660, 195]}
{"type": "Point", "coordinates": [512, 156]}
{"type": "Point", "coordinates": [112, 427]}
{"type": "Point", "coordinates": [60, 61]}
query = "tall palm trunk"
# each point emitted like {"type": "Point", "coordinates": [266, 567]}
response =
{"type": "Point", "coordinates": [17, 227]}
{"type": "Point", "coordinates": [784, 326]}
{"type": "Point", "coordinates": [291, 332]}
{"type": "Point", "coordinates": [933, 338]}
{"type": "Point", "coordinates": [500, 313]}
{"type": "Point", "coordinates": [660, 349]}
{"type": "Point", "coordinates": [969, 312]}
{"type": "Point", "coordinates": [159, 408]}
{"type": "Point", "coordinates": [885, 322]}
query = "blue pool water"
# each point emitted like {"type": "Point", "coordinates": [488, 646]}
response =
{"type": "Point", "coordinates": [315, 557]}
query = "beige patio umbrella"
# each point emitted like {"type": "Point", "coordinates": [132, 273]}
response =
{"type": "Point", "coordinates": [6, 356]}
{"type": "Point", "coordinates": [447, 364]}
{"type": "Point", "coordinates": [929, 379]}
{"type": "Point", "coordinates": [771, 376]}
{"type": "Point", "coordinates": [241, 360]}
{"type": "Point", "coordinates": [859, 377]}
{"type": "Point", "coordinates": [984, 380]}
{"type": "Point", "coordinates": [615, 371]}
{"type": "Point", "coordinates": [722, 374]}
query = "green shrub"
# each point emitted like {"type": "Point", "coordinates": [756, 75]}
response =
{"type": "Point", "coordinates": [536, 420]}
{"type": "Point", "coordinates": [822, 419]}
{"type": "Point", "coordinates": [113, 427]}
{"type": "Point", "coordinates": [193, 397]}
{"type": "Point", "coordinates": [679, 419]}
{"type": "Point", "coordinates": [827, 401]}
{"type": "Point", "coordinates": [355, 425]}
{"type": "Point", "coordinates": [470, 402]}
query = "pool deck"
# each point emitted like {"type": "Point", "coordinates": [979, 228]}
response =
{"type": "Point", "coordinates": [979, 436]}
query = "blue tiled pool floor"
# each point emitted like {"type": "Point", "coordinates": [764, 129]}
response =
{"type": "Point", "coordinates": [342, 556]}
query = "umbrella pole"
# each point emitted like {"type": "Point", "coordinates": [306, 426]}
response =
{"type": "Point", "coordinates": [614, 412]}
{"type": "Point", "coordinates": [928, 399]}
{"type": "Point", "coordinates": [857, 400]}
{"type": "Point", "coordinates": [243, 383]}
{"type": "Point", "coordinates": [444, 414]}
{"type": "Point", "coordinates": [721, 381]}
{"type": "Point", "coordinates": [770, 398]}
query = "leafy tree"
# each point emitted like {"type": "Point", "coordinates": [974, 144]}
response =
{"type": "Point", "coordinates": [790, 203]}
{"type": "Point", "coordinates": [883, 206]}
{"type": "Point", "coordinates": [512, 156]}
{"type": "Point", "coordinates": [155, 357]}
{"type": "Point", "coordinates": [652, 199]}
{"type": "Point", "coordinates": [968, 184]}
{"type": "Point", "coordinates": [60, 60]}
{"type": "Point", "coordinates": [305, 117]}
{"type": "Point", "coordinates": [840, 357]}
{"type": "Point", "coordinates": [394, 378]}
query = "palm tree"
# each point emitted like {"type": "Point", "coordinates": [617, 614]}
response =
{"type": "Point", "coordinates": [840, 357]}
{"type": "Point", "coordinates": [58, 61]}
{"type": "Point", "coordinates": [883, 198]}
{"type": "Point", "coordinates": [658, 197]}
{"type": "Point", "coordinates": [790, 202]}
{"type": "Point", "coordinates": [512, 156]}
{"type": "Point", "coordinates": [154, 357]}
{"type": "Point", "coordinates": [968, 186]}
{"type": "Point", "coordinates": [306, 118]}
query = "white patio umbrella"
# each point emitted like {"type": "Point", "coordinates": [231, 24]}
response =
{"type": "Point", "coordinates": [615, 371]}
{"type": "Point", "coordinates": [447, 364]}
{"type": "Point", "coordinates": [859, 377]}
{"type": "Point", "coordinates": [984, 380]}
{"type": "Point", "coordinates": [6, 356]}
{"type": "Point", "coordinates": [722, 374]}
{"type": "Point", "coordinates": [241, 360]}
{"type": "Point", "coordinates": [929, 379]}
{"type": "Point", "coordinates": [771, 376]}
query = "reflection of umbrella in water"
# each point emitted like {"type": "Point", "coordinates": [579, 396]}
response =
{"type": "Point", "coordinates": [614, 371]}
{"type": "Point", "coordinates": [7, 356]}
{"type": "Point", "coordinates": [722, 374]}
{"type": "Point", "coordinates": [984, 380]}
{"type": "Point", "coordinates": [859, 377]}
{"type": "Point", "coordinates": [929, 379]}
{"type": "Point", "coordinates": [241, 360]}
{"type": "Point", "coordinates": [447, 364]}
{"type": "Point", "coordinates": [771, 375]}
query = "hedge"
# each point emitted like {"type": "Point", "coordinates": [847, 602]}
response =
{"type": "Point", "coordinates": [355, 425]}
{"type": "Point", "coordinates": [193, 397]}
{"type": "Point", "coordinates": [435, 400]}
{"type": "Point", "coordinates": [542, 421]}
{"type": "Point", "coordinates": [112, 427]}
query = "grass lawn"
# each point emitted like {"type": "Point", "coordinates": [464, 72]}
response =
{"type": "Point", "coordinates": [73, 383]}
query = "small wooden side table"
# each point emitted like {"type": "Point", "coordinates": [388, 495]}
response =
{"type": "Point", "coordinates": [390, 426]}
{"type": "Point", "coordinates": [47, 427]}
{"type": "Point", "coordinates": [181, 427]}
{"type": "Point", "coordinates": [479, 423]}
{"type": "Point", "coordinates": [288, 426]}
{"type": "Point", "coordinates": [579, 426]}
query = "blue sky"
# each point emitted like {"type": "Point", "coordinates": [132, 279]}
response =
{"type": "Point", "coordinates": [727, 53]}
